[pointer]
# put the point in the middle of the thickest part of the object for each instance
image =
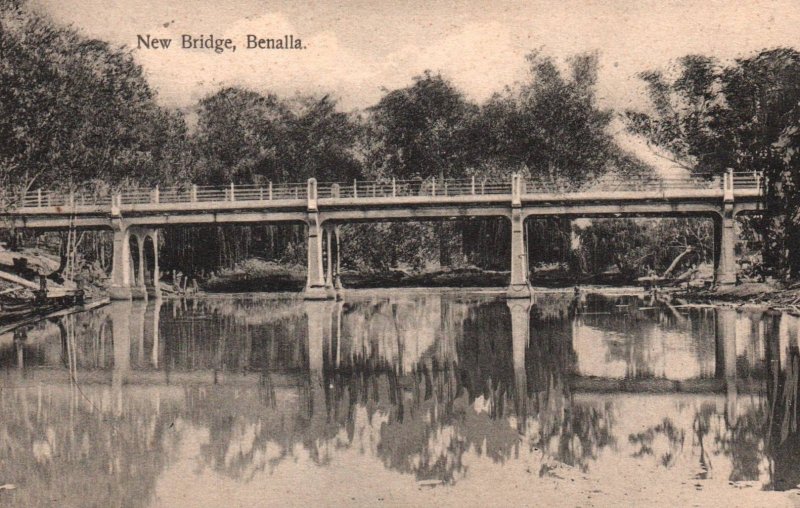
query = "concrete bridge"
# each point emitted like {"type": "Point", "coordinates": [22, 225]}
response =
{"type": "Point", "coordinates": [135, 216]}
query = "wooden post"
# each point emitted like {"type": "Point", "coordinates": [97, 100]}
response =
{"type": "Point", "coordinates": [355, 188]}
{"type": "Point", "coordinates": [394, 188]}
{"type": "Point", "coordinates": [193, 194]}
{"type": "Point", "coordinates": [433, 187]}
{"type": "Point", "coordinates": [233, 196]}
{"type": "Point", "coordinates": [473, 185]}
{"type": "Point", "coordinates": [39, 197]}
{"type": "Point", "coordinates": [270, 191]}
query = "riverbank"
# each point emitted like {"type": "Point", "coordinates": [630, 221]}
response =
{"type": "Point", "coordinates": [769, 294]}
{"type": "Point", "coordinates": [258, 275]}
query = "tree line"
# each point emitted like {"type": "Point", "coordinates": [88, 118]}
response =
{"type": "Point", "coordinates": [78, 114]}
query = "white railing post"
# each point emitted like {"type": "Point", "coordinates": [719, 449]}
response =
{"type": "Point", "coordinates": [193, 194]}
{"type": "Point", "coordinates": [71, 198]}
{"type": "Point", "coordinates": [728, 185]}
{"type": "Point", "coordinates": [473, 185]}
{"type": "Point", "coordinates": [394, 188]}
{"type": "Point", "coordinates": [444, 184]}
{"type": "Point", "coordinates": [516, 195]}
{"type": "Point", "coordinates": [116, 204]}
{"type": "Point", "coordinates": [39, 197]}
{"type": "Point", "coordinates": [155, 197]}
{"type": "Point", "coordinates": [233, 196]}
{"type": "Point", "coordinates": [433, 187]}
{"type": "Point", "coordinates": [312, 194]}
{"type": "Point", "coordinates": [270, 191]}
{"type": "Point", "coordinates": [355, 188]}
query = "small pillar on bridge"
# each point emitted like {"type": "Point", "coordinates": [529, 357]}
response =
{"type": "Point", "coordinates": [518, 287]}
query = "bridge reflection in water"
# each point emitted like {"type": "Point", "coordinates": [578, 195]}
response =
{"type": "Point", "coordinates": [434, 386]}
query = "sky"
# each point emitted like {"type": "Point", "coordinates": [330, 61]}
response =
{"type": "Point", "coordinates": [357, 49]}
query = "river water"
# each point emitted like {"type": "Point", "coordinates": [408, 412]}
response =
{"type": "Point", "coordinates": [391, 397]}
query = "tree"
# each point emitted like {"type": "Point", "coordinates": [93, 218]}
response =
{"type": "Point", "coordinates": [743, 116]}
{"type": "Point", "coordinates": [75, 110]}
{"type": "Point", "coordinates": [244, 137]}
{"type": "Point", "coordinates": [550, 126]}
{"type": "Point", "coordinates": [419, 130]}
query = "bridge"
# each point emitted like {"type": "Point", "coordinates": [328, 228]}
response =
{"type": "Point", "coordinates": [136, 215]}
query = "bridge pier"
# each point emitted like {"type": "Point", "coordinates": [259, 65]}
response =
{"type": "Point", "coordinates": [518, 286]}
{"type": "Point", "coordinates": [138, 287]}
{"type": "Point", "coordinates": [725, 248]}
{"type": "Point", "coordinates": [152, 284]}
{"type": "Point", "coordinates": [126, 282]}
{"type": "Point", "coordinates": [316, 288]}
{"type": "Point", "coordinates": [121, 266]}
{"type": "Point", "coordinates": [333, 265]}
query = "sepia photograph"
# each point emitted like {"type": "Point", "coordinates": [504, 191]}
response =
{"type": "Point", "coordinates": [357, 253]}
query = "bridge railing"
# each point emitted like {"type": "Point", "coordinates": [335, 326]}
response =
{"type": "Point", "coordinates": [390, 188]}
{"type": "Point", "coordinates": [42, 198]}
{"type": "Point", "coordinates": [412, 188]}
{"type": "Point", "coordinates": [751, 180]}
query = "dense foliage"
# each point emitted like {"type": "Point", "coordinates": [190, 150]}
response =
{"type": "Point", "coordinates": [745, 116]}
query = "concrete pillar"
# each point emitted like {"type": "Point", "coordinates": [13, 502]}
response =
{"type": "Point", "coordinates": [337, 262]}
{"type": "Point", "coordinates": [520, 338]}
{"type": "Point", "coordinates": [155, 289]}
{"type": "Point", "coordinates": [725, 249]}
{"type": "Point", "coordinates": [138, 287]}
{"type": "Point", "coordinates": [328, 236]}
{"type": "Point", "coordinates": [121, 266]}
{"type": "Point", "coordinates": [333, 282]}
{"type": "Point", "coordinates": [518, 286]}
{"type": "Point", "coordinates": [315, 280]}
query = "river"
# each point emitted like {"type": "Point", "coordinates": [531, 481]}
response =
{"type": "Point", "coordinates": [402, 397]}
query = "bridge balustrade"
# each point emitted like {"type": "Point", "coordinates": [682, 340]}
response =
{"type": "Point", "coordinates": [432, 188]}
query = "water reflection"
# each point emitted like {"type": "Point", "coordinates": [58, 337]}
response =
{"type": "Point", "coordinates": [435, 387]}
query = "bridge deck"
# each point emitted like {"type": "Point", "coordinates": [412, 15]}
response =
{"type": "Point", "coordinates": [387, 200]}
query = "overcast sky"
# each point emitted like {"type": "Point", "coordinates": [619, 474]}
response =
{"type": "Point", "coordinates": [356, 48]}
